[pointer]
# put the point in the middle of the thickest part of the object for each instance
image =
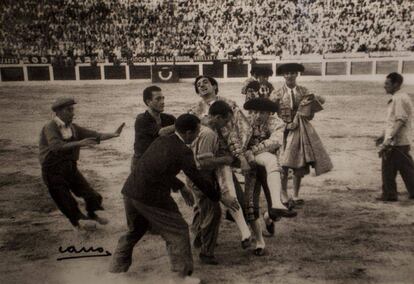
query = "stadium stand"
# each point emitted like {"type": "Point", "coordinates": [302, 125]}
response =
{"type": "Point", "coordinates": [127, 28]}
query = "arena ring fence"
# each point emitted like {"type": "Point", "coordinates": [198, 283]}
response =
{"type": "Point", "coordinates": [367, 67]}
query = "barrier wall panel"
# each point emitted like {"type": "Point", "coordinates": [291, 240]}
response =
{"type": "Point", "coordinates": [187, 71]}
{"type": "Point", "coordinates": [38, 73]}
{"type": "Point", "coordinates": [10, 74]}
{"type": "Point", "coordinates": [115, 72]}
{"type": "Point", "coordinates": [385, 67]}
{"type": "Point", "coordinates": [277, 65]}
{"type": "Point", "coordinates": [139, 72]}
{"type": "Point", "coordinates": [89, 73]}
{"type": "Point", "coordinates": [261, 65]}
{"type": "Point", "coordinates": [335, 68]}
{"type": "Point", "coordinates": [64, 73]}
{"type": "Point", "coordinates": [408, 67]}
{"type": "Point", "coordinates": [361, 68]}
{"type": "Point", "coordinates": [339, 68]}
{"type": "Point", "coordinates": [312, 69]}
{"type": "Point", "coordinates": [235, 70]}
{"type": "Point", "coordinates": [213, 70]}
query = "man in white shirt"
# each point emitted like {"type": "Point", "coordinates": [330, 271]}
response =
{"type": "Point", "coordinates": [395, 141]}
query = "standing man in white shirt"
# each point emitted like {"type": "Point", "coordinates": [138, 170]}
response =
{"type": "Point", "coordinates": [395, 141]}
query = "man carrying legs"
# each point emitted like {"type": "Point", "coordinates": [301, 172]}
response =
{"type": "Point", "coordinates": [214, 160]}
{"type": "Point", "coordinates": [149, 204]}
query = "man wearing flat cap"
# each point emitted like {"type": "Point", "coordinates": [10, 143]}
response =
{"type": "Point", "coordinates": [59, 147]}
{"type": "Point", "coordinates": [289, 98]}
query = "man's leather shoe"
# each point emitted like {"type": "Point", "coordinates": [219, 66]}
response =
{"type": "Point", "coordinates": [274, 213]}
{"type": "Point", "coordinates": [271, 228]}
{"type": "Point", "coordinates": [246, 243]}
{"type": "Point", "coordinates": [298, 202]}
{"type": "Point", "coordinates": [382, 198]}
{"type": "Point", "coordinates": [259, 251]}
{"type": "Point", "coordinates": [208, 259]}
{"type": "Point", "coordinates": [290, 205]}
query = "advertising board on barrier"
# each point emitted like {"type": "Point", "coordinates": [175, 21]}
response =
{"type": "Point", "coordinates": [301, 57]}
{"type": "Point", "coordinates": [8, 60]}
{"type": "Point", "coordinates": [390, 54]}
{"type": "Point", "coordinates": [164, 74]}
{"type": "Point", "coordinates": [49, 60]}
{"type": "Point", "coordinates": [203, 58]}
{"type": "Point", "coordinates": [342, 55]}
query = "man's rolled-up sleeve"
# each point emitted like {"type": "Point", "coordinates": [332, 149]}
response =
{"type": "Point", "coordinates": [206, 144]}
{"type": "Point", "coordinates": [401, 109]}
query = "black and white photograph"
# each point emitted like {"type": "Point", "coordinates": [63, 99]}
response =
{"type": "Point", "coordinates": [202, 141]}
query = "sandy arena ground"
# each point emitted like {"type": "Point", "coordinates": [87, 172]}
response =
{"type": "Point", "coordinates": [340, 236]}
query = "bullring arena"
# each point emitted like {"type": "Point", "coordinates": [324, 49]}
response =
{"type": "Point", "coordinates": [341, 235]}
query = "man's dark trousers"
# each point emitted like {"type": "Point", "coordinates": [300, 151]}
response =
{"type": "Point", "coordinates": [168, 223]}
{"type": "Point", "coordinates": [64, 178]}
{"type": "Point", "coordinates": [397, 159]}
{"type": "Point", "coordinates": [206, 220]}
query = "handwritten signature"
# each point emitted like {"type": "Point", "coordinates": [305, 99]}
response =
{"type": "Point", "coordinates": [96, 252]}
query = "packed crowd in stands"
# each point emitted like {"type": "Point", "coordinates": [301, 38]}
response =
{"type": "Point", "coordinates": [126, 28]}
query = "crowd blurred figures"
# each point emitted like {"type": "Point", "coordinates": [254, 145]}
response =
{"type": "Point", "coordinates": [126, 28]}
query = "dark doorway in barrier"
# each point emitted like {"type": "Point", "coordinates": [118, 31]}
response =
{"type": "Point", "coordinates": [89, 73]}
{"type": "Point", "coordinates": [236, 70]}
{"type": "Point", "coordinates": [9, 74]}
{"type": "Point", "coordinates": [64, 73]}
{"type": "Point", "coordinates": [38, 73]}
{"type": "Point", "coordinates": [139, 72]}
{"type": "Point", "coordinates": [115, 72]}
{"type": "Point", "coordinates": [187, 71]}
{"type": "Point", "coordinates": [213, 70]}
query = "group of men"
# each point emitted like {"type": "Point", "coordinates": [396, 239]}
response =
{"type": "Point", "coordinates": [275, 139]}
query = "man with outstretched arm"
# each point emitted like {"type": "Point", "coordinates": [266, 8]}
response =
{"type": "Point", "coordinates": [59, 147]}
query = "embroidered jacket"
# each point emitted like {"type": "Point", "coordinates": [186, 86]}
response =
{"type": "Point", "coordinates": [267, 136]}
{"type": "Point", "coordinates": [287, 107]}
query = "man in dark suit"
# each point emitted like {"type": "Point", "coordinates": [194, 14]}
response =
{"type": "Point", "coordinates": [148, 202]}
{"type": "Point", "coordinates": [152, 123]}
